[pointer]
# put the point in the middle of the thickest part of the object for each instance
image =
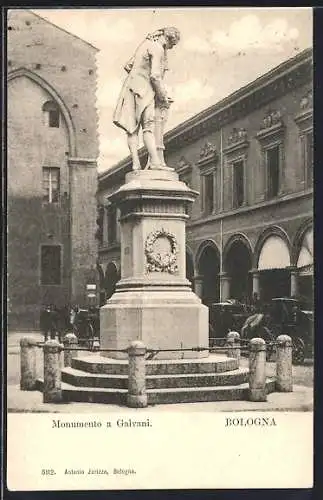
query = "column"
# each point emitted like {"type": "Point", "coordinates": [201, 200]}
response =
{"type": "Point", "coordinates": [293, 282]}
{"type": "Point", "coordinates": [255, 281]}
{"type": "Point", "coordinates": [225, 286]}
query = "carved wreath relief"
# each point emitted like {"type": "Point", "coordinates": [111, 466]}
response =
{"type": "Point", "coordinates": [161, 251]}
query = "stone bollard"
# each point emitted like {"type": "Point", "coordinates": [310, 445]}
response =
{"type": "Point", "coordinates": [52, 392]}
{"type": "Point", "coordinates": [137, 396]}
{"type": "Point", "coordinates": [233, 345]}
{"type": "Point", "coordinates": [96, 343]}
{"type": "Point", "coordinates": [70, 344]}
{"type": "Point", "coordinates": [257, 370]}
{"type": "Point", "coordinates": [27, 364]}
{"type": "Point", "coordinates": [284, 380]}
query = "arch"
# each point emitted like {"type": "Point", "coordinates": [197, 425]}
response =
{"type": "Point", "coordinates": [235, 238]}
{"type": "Point", "coordinates": [208, 268]}
{"type": "Point", "coordinates": [55, 96]}
{"type": "Point", "coordinates": [201, 248]}
{"type": "Point", "coordinates": [299, 238]}
{"type": "Point", "coordinates": [305, 255]}
{"type": "Point", "coordinates": [237, 263]}
{"type": "Point", "coordinates": [50, 106]}
{"type": "Point", "coordinates": [274, 254]}
{"type": "Point", "coordinates": [272, 231]}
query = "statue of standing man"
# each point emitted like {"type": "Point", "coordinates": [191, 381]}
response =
{"type": "Point", "coordinates": [143, 101]}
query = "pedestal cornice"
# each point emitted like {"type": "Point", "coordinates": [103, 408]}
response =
{"type": "Point", "coordinates": [153, 193]}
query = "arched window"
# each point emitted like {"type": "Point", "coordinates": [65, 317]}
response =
{"type": "Point", "coordinates": [52, 111]}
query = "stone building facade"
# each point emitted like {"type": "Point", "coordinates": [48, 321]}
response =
{"type": "Point", "coordinates": [250, 156]}
{"type": "Point", "coordinates": [52, 167]}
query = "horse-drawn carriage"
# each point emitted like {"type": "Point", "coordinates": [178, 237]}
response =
{"type": "Point", "coordinates": [83, 322]}
{"type": "Point", "coordinates": [280, 316]}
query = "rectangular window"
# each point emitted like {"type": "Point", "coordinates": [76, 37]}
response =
{"type": "Point", "coordinates": [51, 184]}
{"type": "Point", "coordinates": [50, 265]}
{"type": "Point", "coordinates": [273, 168]}
{"type": "Point", "coordinates": [208, 193]}
{"type": "Point", "coordinates": [112, 224]}
{"type": "Point", "coordinates": [238, 183]}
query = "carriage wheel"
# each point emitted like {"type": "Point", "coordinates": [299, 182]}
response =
{"type": "Point", "coordinates": [298, 353]}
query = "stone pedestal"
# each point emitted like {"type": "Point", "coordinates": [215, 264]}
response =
{"type": "Point", "coordinates": [153, 301]}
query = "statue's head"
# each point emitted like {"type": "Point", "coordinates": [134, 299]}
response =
{"type": "Point", "coordinates": [172, 36]}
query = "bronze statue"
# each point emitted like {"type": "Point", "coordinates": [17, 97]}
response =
{"type": "Point", "coordinates": [143, 101]}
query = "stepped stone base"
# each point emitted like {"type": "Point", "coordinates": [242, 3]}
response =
{"type": "Point", "coordinates": [97, 379]}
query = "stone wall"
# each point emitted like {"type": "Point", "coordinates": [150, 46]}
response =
{"type": "Point", "coordinates": [46, 63]}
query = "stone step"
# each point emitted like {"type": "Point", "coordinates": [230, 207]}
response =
{"type": "Point", "coordinates": [72, 393]}
{"type": "Point", "coordinates": [203, 394]}
{"type": "Point", "coordinates": [158, 396]}
{"type": "Point", "coordinates": [80, 378]}
{"type": "Point", "coordinates": [214, 363]}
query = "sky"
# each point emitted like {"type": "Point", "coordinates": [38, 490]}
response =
{"type": "Point", "coordinates": [221, 50]}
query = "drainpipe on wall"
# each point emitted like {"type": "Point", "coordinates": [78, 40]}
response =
{"type": "Point", "coordinates": [221, 209]}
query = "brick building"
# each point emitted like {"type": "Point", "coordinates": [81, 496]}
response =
{"type": "Point", "coordinates": [250, 158]}
{"type": "Point", "coordinates": [52, 176]}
